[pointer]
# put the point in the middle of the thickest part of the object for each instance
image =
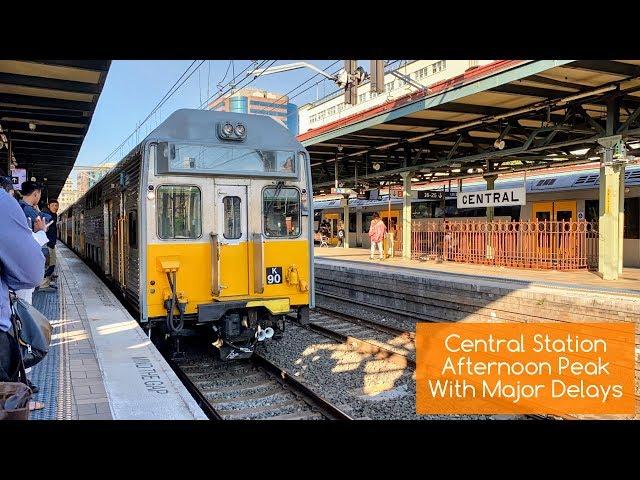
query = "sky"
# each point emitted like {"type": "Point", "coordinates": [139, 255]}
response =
{"type": "Point", "coordinates": [134, 87]}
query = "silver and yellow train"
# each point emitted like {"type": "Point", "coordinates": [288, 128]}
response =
{"type": "Point", "coordinates": [207, 225]}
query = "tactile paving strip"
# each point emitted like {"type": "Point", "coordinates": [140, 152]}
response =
{"type": "Point", "coordinates": [52, 375]}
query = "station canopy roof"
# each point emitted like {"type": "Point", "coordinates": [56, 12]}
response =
{"type": "Point", "coordinates": [547, 113]}
{"type": "Point", "coordinates": [58, 97]}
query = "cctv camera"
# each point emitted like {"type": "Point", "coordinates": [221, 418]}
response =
{"type": "Point", "coordinates": [499, 144]}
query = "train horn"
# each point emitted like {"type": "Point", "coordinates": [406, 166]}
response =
{"type": "Point", "coordinates": [262, 335]}
{"type": "Point", "coordinates": [268, 332]}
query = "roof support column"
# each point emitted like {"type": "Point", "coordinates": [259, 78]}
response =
{"type": "Point", "coordinates": [611, 222]}
{"type": "Point", "coordinates": [491, 181]}
{"type": "Point", "coordinates": [611, 200]}
{"type": "Point", "coordinates": [406, 215]}
{"type": "Point", "coordinates": [345, 222]}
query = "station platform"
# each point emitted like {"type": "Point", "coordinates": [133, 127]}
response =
{"type": "Point", "coordinates": [627, 284]}
{"type": "Point", "coordinates": [405, 292]}
{"type": "Point", "coordinates": [101, 365]}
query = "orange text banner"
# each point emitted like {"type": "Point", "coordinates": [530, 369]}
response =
{"type": "Point", "coordinates": [513, 368]}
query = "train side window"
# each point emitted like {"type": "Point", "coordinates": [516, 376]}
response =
{"type": "Point", "coordinates": [232, 218]}
{"type": "Point", "coordinates": [133, 229]}
{"type": "Point", "coordinates": [366, 221]}
{"type": "Point", "coordinates": [352, 222]}
{"type": "Point", "coordinates": [591, 210]}
{"type": "Point", "coordinates": [179, 213]}
{"type": "Point", "coordinates": [281, 212]}
{"type": "Point", "coordinates": [632, 217]}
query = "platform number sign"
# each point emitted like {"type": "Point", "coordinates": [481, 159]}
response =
{"type": "Point", "coordinates": [274, 275]}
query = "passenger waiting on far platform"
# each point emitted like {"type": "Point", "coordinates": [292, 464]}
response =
{"type": "Point", "coordinates": [21, 268]}
{"type": "Point", "coordinates": [52, 235]}
{"type": "Point", "coordinates": [340, 235]}
{"type": "Point", "coordinates": [376, 234]}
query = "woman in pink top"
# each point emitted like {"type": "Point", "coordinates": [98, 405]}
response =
{"type": "Point", "coordinates": [376, 234]}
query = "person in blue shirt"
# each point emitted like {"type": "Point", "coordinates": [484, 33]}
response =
{"type": "Point", "coordinates": [21, 267]}
{"type": "Point", "coordinates": [31, 193]}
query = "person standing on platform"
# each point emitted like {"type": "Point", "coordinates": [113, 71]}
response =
{"type": "Point", "coordinates": [376, 234]}
{"type": "Point", "coordinates": [31, 193]}
{"type": "Point", "coordinates": [21, 267]}
{"type": "Point", "coordinates": [52, 235]}
{"type": "Point", "coordinates": [340, 235]}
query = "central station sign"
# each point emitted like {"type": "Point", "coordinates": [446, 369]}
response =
{"type": "Point", "coordinates": [493, 198]}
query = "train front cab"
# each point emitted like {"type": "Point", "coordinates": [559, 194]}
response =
{"type": "Point", "coordinates": [230, 251]}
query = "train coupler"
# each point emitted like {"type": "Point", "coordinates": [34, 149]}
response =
{"type": "Point", "coordinates": [229, 351]}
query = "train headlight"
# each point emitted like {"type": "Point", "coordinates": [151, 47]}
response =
{"type": "Point", "coordinates": [151, 195]}
{"type": "Point", "coordinates": [227, 129]}
{"type": "Point", "coordinates": [241, 130]}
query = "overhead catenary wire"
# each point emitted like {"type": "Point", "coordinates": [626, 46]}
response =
{"type": "Point", "coordinates": [234, 85]}
{"type": "Point", "coordinates": [316, 83]}
{"type": "Point", "coordinates": [172, 90]}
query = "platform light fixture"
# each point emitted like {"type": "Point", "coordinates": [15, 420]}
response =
{"type": "Point", "coordinates": [376, 166]}
{"type": "Point", "coordinates": [32, 126]}
{"type": "Point", "coordinates": [581, 151]}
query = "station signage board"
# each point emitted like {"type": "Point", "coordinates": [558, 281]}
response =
{"type": "Point", "coordinates": [493, 198]}
{"type": "Point", "coordinates": [371, 194]}
{"type": "Point", "coordinates": [433, 195]}
{"type": "Point", "coordinates": [18, 177]}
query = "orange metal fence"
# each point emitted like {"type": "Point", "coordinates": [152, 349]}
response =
{"type": "Point", "coordinates": [561, 245]}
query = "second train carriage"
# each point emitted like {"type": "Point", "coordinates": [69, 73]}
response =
{"type": "Point", "coordinates": [206, 223]}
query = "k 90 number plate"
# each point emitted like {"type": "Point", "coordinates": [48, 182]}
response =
{"type": "Point", "coordinates": [274, 275]}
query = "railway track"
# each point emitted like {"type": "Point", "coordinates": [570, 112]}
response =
{"type": "Point", "coordinates": [366, 336]}
{"type": "Point", "coordinates": [252, 389]}
{"type": "Point", "coordinates": [399, 346]}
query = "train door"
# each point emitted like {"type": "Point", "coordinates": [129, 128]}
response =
{"type": "Point", "coordinates": [542, 211]}
{"type": "Point", "coordinates": [108, 265]}
{"type": "Point", "coordinates": [233, 248]}
{"type": "Point", "coordinates": [122, 241]}
{"type": "Point", "coordinates": [565, 210]}
{"type": "Point", "coordinates": [555, 211]}
{"type": "Point", "coordinates": [334, 220]}
{"type": "Point", "coordinates": [552, 239]}
{"type": "Point", "coordinates": [392, 222]}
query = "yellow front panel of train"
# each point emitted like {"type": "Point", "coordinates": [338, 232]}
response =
{"type": "Point", "coordinates": [291, 257]}
{"type": "Point", "coordinates": [192, 262]}
{"type": "Point", "coordinates": [234, 270]}
{"type": "Point", "coordinates": [193, 277]}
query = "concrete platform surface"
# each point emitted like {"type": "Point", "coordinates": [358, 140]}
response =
{"type": "Point", "coordinates": [101, 364]}
{"type": "Point", "coordinates": [627, 284]}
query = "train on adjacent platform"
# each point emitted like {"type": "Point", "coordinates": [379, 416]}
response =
{"type": "Point", "coordinates": [551, 196]}
{"type": "Point", "coordinates": [206, 226]}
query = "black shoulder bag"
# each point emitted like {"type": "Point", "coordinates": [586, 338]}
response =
{"type": "Point", "coordinates": [32, 330]}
